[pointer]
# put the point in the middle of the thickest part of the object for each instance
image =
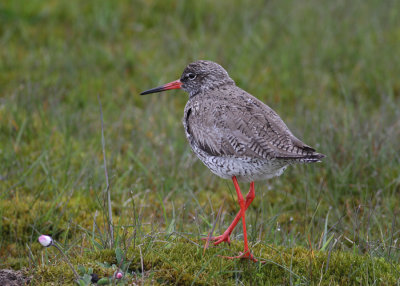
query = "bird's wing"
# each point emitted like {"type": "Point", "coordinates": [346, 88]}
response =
{"type": "Point", "coordinates": [244, 126]}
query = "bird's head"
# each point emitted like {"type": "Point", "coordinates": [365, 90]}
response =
{"type": "Point", "coordinates": [198, 77]}
{"type": "Point", "coordinates": [203, 75]}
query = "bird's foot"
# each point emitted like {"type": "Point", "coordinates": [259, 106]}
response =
{"type": "Point", "coordinates": [246, 255]}
{"type": "Point", "coordinates": [219, 239]}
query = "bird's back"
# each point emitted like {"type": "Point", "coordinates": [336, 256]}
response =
{"type": "Point", "coordinates": [230, 122]}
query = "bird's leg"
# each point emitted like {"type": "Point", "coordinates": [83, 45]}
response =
{"type": "Point", "coordinates": [225, 237]}
{"type": "Point", "coordinates": [246, 253]}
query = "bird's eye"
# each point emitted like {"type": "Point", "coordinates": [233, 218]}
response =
{"type": "Point", "coordinates": [191, 76]}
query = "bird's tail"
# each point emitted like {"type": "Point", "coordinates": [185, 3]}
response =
{"type": "Point", "coordinates": [312, 158]}
{"type": "Point", "coordinates": [309, 157]}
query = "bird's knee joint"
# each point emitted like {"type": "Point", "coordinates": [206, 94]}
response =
{"type": "Point", "coordinates": [250, 197]}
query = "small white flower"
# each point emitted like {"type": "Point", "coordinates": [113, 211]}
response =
{"type": "Point", "coordinates": [45, 240]}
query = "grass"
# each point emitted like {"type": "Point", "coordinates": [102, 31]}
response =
{"type": "Point", "coordinates": [329, 69]}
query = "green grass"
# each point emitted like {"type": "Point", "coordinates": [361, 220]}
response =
{"type": "Point", "coordinates": [330, 69]}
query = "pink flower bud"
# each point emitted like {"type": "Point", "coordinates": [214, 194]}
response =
{"type": "Point", "coordinates": [45, 240]}
{"type": "Point", "coordinates": [119, 275]}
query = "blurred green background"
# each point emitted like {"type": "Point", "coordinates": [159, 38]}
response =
{"type": "Point", "coordinates": [329, 68]}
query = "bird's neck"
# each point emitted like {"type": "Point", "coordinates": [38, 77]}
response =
{"type": "Point", "coordinates": [211, 87]}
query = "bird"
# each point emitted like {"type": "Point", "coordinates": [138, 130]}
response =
{"type": "Point", "coordinates": [235, 135]}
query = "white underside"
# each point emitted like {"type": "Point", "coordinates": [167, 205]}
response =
{"type": "Point", "coordinates": [243, 168]}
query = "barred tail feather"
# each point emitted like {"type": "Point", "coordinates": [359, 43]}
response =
{"type": "Point", "coordinates": [312, 158]}
{"type": "Point", "coordinates": [306, 158]}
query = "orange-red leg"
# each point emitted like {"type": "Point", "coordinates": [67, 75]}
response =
{"type": "Point", "coordinates": [225, 237]}
{"type": "Point", "coordinates": [246, 253]}
{"type": "Point", "coordinates": [242, 214]}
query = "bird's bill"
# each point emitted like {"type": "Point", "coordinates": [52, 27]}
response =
{"type": "Point", "coordinates": [171, 85]}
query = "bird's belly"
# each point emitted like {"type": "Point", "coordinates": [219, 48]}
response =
{"type": "Point", "coordinates": [244, 168]}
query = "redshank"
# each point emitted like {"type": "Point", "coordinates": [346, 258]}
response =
{"type": "Point", "coordinates": [235, 135]}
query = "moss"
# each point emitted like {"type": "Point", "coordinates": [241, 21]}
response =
{"type": "Point", "coordinates": [183, 263]}
{"type": "Point", "coordinates": [20, 216]}
{"type": "Point", "coordinates": [61, 274]}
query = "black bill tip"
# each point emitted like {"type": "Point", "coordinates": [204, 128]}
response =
{"type": "Point", "coordinates": [177, 84]}
{"type": "Point", "coordinates": [153, 90]}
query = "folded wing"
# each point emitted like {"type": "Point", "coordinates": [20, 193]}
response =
{"type": "Point", "coordinates": [244, 127]}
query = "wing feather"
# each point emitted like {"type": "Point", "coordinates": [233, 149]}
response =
{"type": "Point", "coordinates": [241, 125]}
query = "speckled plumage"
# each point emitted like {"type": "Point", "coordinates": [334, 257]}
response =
{"type": "Point", "coordinates": [234, 133]}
